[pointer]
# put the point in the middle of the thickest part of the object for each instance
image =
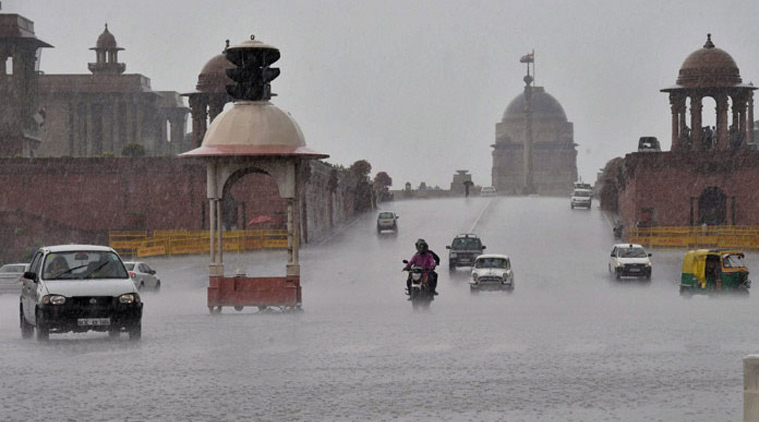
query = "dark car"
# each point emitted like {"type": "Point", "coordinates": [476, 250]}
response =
{"type": "Point", "coordinates": [463, 250]}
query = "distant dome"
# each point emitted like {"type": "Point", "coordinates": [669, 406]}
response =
{"type": "Point", "coordinates": [543, 105]}
{"type": "Point", "coordinates": [106, 41]}
{"type": "Point", "coordinates": [213, 78]}
{"type": "Point", "coordinates": [709, 67]}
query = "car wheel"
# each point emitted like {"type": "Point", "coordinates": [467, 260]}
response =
{"type": "Point", "coordinates": [685, 292]}
{"type": "Point", "coordinates": [238, 308]}
{"type": "Point", "coordinates": [473, 290]}
{"type": "Point", "coordinates": [43, 332]}
{"type": "Point", "coordinates": [214, 310]}
{"type": "Point", "coordinates": [27, 330]}
{"type": "Point", "coordinates": [158, 286]}
{"type": "Point", "coordinates": [135, 331]}
{"type": "Point", "coordinates": [618, 275]}
{"type": "Point", "coordinates": [141, 286]}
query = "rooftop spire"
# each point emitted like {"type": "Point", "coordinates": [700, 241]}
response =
{"type": "Point", "coordinates": [709, 43]}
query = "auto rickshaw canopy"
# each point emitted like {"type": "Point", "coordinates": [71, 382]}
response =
{"type": "Point", "coordinates": [694, 261]}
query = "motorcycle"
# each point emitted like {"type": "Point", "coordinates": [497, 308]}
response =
{"type": "Point", "coordinates": [618, 230]}
{"type": "Point", "coordinates": [420, 293]}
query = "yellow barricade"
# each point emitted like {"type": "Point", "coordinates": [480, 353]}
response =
{"type": "Point", "coordinates": [743, 237]}
{"type": "Point", "coordinates": [185, 242]}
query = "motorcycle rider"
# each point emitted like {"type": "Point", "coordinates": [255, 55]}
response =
{"type": "Point", "coordinates": [427, 259]}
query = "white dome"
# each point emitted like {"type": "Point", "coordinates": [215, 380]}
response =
{"type": "Point", "coordinates": [253, 128]}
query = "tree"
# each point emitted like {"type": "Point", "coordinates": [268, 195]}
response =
{"type": "Point", "coordinates": [382, 183]}
{"type": "Point", "coordinates": [361, 169]}
{"type": "Point", "coordinates": [133, 150]}
{"type": "Point", "coordinates": [382, 180]}
{"type": "Point", "coordinates": [362, 187]}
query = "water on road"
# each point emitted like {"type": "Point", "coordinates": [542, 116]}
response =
{"type": "Point", "coordinates": [569, 344]}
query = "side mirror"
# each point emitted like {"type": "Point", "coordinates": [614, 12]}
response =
{"type": "Point", "coordinates": [483, 246]}
{"type": "Point", "coordinates": [448, 247]}
{"type": "Point", "coordinates": [151, 272]}
{"type": "Point", "coordinates": [405, 261]}
{"type": "Point", "coordinates": [649, 254]}
{"type": "Point", "coordinates": [31, 276]}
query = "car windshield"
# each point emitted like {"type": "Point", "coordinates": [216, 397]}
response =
{"type": "Point", "coordinates": [734, 261]}
{"type": "Point", "coordinates": [467, 243]}
{"type": "Point", "coordinates": [582, 193]}
{"type": "Point", "coordinates": [83, 265]}
{"type": "Point", "coordinates": [492, 263]}
{"type": "Point", "coordinates": [632, 253]}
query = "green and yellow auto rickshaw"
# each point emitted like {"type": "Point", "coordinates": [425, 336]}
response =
{"type": "Point", "coordinates": [713, 271]}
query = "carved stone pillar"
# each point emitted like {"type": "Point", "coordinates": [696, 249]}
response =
{"type": "Point", "coordinates": [676, 141]}
{"type": "Point", "coordinates": [89, 133]}
{"type": "Point", "coordinates": [722, 141]}
{"type": "Point", "coordinates": [199, 112]}
{"type": "Point", "coordinates": [695, 122]}
{"type": "Point", "coordinates": [750, 128]}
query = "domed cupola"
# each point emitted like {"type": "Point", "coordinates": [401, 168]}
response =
{"type": "Point", "coordinates": [213, 77]}
{"type": "Point", "coordinates": [543, 105]}
{"type": "Point", "coordinates": [709, 67]}
{"type": "Point", "coordinates": [106, 55]}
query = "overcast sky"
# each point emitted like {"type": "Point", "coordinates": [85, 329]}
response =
{"type": "Point", "coordinates": [416, 87]}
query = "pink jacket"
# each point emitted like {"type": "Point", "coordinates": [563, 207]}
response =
{"type": "Point", "coordinates": [425, 261]}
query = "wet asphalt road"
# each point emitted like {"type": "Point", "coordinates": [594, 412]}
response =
{"type": "Point", "coordinates": [570, 344]}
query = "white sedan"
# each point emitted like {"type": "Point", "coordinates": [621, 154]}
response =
{"type": "Point", "coordinates": [143, 276]}
{"type": "Point", "coordinates": [492, 271]}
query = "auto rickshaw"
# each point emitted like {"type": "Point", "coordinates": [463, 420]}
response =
{"type": "Point", "coordinates": [714, 271]}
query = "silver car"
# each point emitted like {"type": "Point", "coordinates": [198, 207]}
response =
{"type": "Point", "coordinates": [143, 276]}
{"type": "Point", "coordinates": [10, 277]}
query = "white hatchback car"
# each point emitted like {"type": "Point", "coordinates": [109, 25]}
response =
{"type": "Point", "coordinates": [492, 271]}
{"type": "Point", "coordinates": [630, 259]}
{"type": "Point", "coordinates": [143, 276]}
{"type": "Point", "coordinates": [79, 288]}
{"type": "Point", "coordinates": [488, 191]}
{"type": "Point", "coordinates": [581, 198]}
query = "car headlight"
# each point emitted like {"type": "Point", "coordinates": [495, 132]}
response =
{"type": "Point", "coordinates": [129, 298]}
{"type": "Point", "coordinates": [54, 300]}
{"type": "Point", "coordinates": [650, 264]}
{"type": "Point", "coordinates": [619, 264]}
{"type": "Point", "coordinates": [474, 276]}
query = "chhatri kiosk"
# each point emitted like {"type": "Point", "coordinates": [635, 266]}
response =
{"type": "Point", "coordinates": [253, 136]}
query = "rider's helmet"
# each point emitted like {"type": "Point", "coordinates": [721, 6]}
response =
{"type": "Point", "coordinates": [421, 246]}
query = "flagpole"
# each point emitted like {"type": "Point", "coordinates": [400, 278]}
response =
{"type": "Point", "coordinates": [534, 78]}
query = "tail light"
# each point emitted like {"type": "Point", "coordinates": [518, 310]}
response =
{"type": "Point", "coordinates": [132, 274]}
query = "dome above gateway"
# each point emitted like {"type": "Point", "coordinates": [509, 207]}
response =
{"type": "Point", "coordinates": [543, 105]}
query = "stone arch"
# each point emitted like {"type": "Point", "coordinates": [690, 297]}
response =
{"type": "Point", "coordinates": [251, 200]}
{"type": "Point", "coordinates": [712, 206]}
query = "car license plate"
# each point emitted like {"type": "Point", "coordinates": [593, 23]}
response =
{"type": "Point", "coordinates": [87, 322]}
{"type": "Point", "coordinates": [634, 270]}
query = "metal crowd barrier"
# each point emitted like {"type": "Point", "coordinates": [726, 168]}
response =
{"type": "Point", "coordinates": [694, 237]}
{"type": "Point", "coordinates": [180, 242]}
